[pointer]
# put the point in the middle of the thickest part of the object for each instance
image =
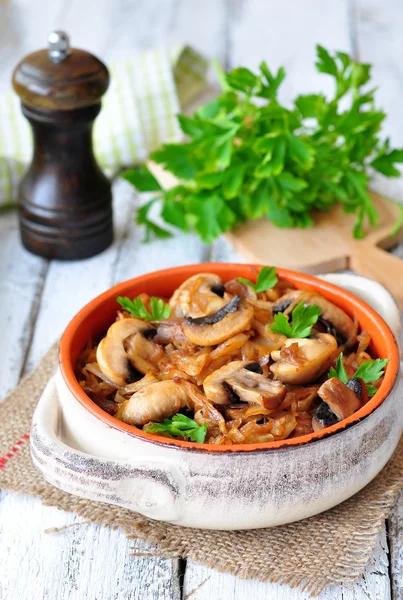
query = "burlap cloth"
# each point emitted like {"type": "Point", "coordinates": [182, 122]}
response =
{"type": "Point", "coordinates": [330, 548]}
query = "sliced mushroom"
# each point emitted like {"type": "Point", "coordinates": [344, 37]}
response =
{"type": "Point", "coordinates": [218, 289]}
{"type": "Point", "coordinates": [240, 378]}
{"type": "Point", "coordinates": [155, 402]}
{"type": "Point", "coordinates": [236, 288]}
{"type": "Point", "coordinates": [143, 352]}
{"type": "Point", "coordinates": [170, 332]}
{"type": "Point", "coordinates": [283, 303]}
{"type": "Point", "coordinates": [302, 361]}
{"type": "Point", "coordinates": [124, 393]}
{"type": "Point", "coordinates": [214, 329]}
{"type": "Point", "coordinates": [341, 401]}
{"type": "Point", "coordinates": [214, 318]}
{"type": "Point", "coordinates": [323, 417]}
{"type": "Point", "coordinates": [331, 314]}
{"type": "Point", "coordinates": [214, 384]}
{"type": "Point", "coordinates": [200, 295]}
{"type": "Point", "coordinates": [359, 388]}
{"type": "Point", "coordinates": [112, 357]}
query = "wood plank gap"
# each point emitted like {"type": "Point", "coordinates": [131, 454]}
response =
{"type": "Point", "coordinates": [33, 317]}
{"type": "Point", "coordinates": [123, 239]}
{"type": "Point", "coordinates": [353, 29]}
{"type": "Point", "coordinates": [182, 563]}
{"type": "Point", "coordinates": [227, 33]}
{"type": "Point", "coordinates": [208, 254]}
{"type": "Point", "coordinates": [389, 554]}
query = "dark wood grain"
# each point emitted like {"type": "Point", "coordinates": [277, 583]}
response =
{"type": "Point", "coordinates": [76, 82]}
{"type": "Point", "coordinates": [65, 200]}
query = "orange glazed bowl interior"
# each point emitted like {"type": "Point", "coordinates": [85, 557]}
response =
{"type": "Point", "coordinates": [95, 318]}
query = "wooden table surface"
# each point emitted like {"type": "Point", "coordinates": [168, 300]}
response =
{"type": "Point", "coordinates": [37, 298]}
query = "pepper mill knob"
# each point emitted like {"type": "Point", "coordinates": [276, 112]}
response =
{"type": "Point", "coordinates": [65, 200]}
{"type": "Point", "coordinates": [59, 45]}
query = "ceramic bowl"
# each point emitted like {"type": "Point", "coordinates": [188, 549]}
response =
{"type": "Point", "coordinates": [84, 451]}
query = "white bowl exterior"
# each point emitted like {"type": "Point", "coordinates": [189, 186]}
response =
{"type": "Point", "coordinates": [78, 453]}
{"type": "Point", "coordinates": [196, 489]}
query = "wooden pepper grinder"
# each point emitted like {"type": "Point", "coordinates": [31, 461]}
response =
{"type": "Point", "coordinates": [65, 200]}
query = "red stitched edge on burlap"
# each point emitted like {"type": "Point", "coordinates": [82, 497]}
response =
{"type": "Point", "coordinates": [6, 457]}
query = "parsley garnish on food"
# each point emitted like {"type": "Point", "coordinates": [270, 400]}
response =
{"type": "Point", "coordinates": [180, 426]}
{"type": "Point", "coordinates": [266, 280]}
{"type": "Point", "coordinates": [303, 318]}
{"type": "Point", "coordinates": [159, 310]}
{"type": "Point", "coordinates": [247, 156]}
{"type": "Point", "coordinates": [339, 371]}
{"type": "Point", "coordinates": [369, 371]}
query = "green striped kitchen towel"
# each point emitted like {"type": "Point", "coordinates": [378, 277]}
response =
{"type": "Point", "coordinates": [138, 115]}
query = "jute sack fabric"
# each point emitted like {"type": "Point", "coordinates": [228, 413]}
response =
{"type": "Point", "coordinates": [330, 548]}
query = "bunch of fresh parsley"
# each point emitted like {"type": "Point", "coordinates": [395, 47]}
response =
{"type": "Point", "coordinates": [249, 156]}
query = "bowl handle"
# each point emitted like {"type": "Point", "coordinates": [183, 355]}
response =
{"type": "Point", "coordinates": [150, 486]}
{"type": "Point", "coordinates": [373, 293]}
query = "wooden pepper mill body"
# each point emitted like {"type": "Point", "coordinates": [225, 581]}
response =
{"type": "Point", "coordinates": [65, 200]}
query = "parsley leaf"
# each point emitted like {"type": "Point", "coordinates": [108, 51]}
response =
{"type": "Point", "coordinates": [371, 390]}
{"type": "Point", "coordinates": [339, 371]}
{"type": "Point", "coordinates": [177, 159]}
{"type": "Point", "coordinates": [135, 307]}
{"type": "Point", "coordinates": [248, 156]}
{"type": "Point", "coordinates": [369, 371]}
{"type": "Point", "coordinates": [180, 426]}
{"type": "Point", "coordinates": [303, 319]}
{"type": "Point", "coordinates": [210, 215]}
{"type": "Point", "coordinates": [142, 179]}
{"type": "Point", "coordinates": [266, 280]}
{"type": "Point", "coordinates": [159, 310]}
{"type": "Point", "coordinates": [152, 229]}
{"type": "Point", "coordinates": [281, 325]}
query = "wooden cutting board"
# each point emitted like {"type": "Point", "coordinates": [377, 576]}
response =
{"type": "Point", "coordinates": [329, 246]}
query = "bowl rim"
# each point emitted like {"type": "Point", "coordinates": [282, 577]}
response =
{"type": "Point", "coordinates": [305, 280]}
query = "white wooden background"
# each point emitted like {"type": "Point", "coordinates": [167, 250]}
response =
{"type": "Point", "coordinates": [38, 298]}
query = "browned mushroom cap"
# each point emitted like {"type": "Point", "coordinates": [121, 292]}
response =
{"type": "Point", "coordinates": [237, 379]}
{"type": "Point", "coordinates": [155, 402]}
{"type": "Point", "coordinates": [341, 400]}
{"type": "Point", "coordinates": [329, 312]}
{"type": "Point", "coordinates": [302, 361]}
{"type": "Point", "coordinates": [213, 329]}
{"type": "Point", "coordinates": [200, 295]}
{"type": "Point", "coordinates": [111, 353]}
